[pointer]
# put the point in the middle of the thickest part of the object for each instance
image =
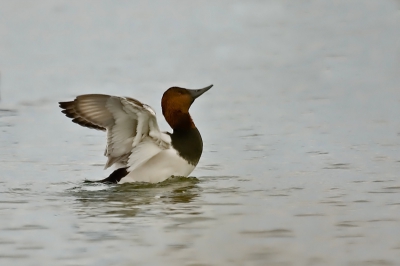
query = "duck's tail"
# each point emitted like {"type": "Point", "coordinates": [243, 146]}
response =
{"type": "Point", "coordinates": [113, 178]}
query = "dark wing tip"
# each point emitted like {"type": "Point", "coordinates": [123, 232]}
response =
{"type": "Point", "coordinates": [65, 105]}
{"type": "Point", "coordinates": [69, 111]}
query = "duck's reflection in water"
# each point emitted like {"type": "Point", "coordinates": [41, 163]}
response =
{"type": "Point", "coordinates": [132, 199]}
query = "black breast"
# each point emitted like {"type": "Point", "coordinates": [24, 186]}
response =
{"type": "Point", "coordinates": [188, 143]}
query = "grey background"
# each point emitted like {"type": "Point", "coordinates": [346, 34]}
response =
{"type": "Point", "coordinates": [301, 132]}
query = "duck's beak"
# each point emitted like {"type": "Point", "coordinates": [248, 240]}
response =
{"type": "Point", "coordinates": [196, 93]}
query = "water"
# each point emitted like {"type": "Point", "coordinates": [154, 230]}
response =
{"type": "Point", "coordinates": [301, 130]}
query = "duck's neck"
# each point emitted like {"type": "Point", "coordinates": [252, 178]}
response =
{"type": "Point", "coordinates": [188, 143]}
{"type": "Point", "coordinates": [179, 121]}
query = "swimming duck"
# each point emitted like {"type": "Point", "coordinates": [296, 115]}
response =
{"type": "Point", "coordinates": [135, 144]}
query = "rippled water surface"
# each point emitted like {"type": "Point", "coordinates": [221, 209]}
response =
{"type": "Point", "coordinates": [301, 132]}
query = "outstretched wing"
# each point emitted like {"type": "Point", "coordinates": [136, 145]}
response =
{"type": "Point", "coordinates": [127, 122]}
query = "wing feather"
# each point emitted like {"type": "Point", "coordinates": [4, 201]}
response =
{"type": "Point", "coordinates": [133, 135]}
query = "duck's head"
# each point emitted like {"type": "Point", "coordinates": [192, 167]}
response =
{"type": "Point", "coordinates": [175, 105]}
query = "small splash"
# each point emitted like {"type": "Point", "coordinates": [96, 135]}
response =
{"type": "Point", "coordinates": [178, 179]}
{"type": "Point", "coordinates": [94, 186]}
{"type": "Point", "coordinates": [174, 182]}
{"type": "Point", "coordinates": [171, 180]}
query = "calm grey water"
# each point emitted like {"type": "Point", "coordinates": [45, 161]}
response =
{"type": "Point", "coordinates": [301, 130]}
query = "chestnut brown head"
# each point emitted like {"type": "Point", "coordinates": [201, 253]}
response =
{"type": "Point", "coordinates": [175, 105]}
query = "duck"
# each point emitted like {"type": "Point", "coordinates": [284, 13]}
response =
{"type": "Point", "coordinates": [136, 147]}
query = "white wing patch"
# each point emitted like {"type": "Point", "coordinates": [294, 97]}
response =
{"type": "Point", "coordinates": [144, 151]}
